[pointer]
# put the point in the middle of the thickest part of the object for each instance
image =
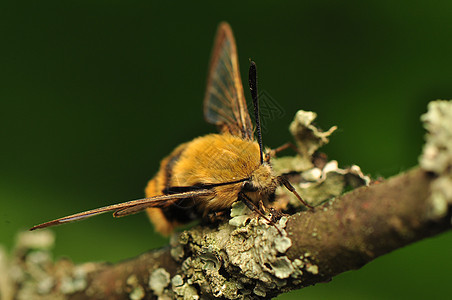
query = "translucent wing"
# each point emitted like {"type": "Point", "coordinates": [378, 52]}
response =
{"type": "Point", "coordinates": [224, 101]}
{"type": "Point", "coordinates": [126, 208]}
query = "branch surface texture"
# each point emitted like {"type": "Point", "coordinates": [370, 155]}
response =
{"type": "Point", "coordinates": [244, 257]}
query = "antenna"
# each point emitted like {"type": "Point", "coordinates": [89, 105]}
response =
{"type": "Point", "coordinates": [252, 80]}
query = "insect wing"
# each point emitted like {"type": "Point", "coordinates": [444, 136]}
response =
{"type": "Point", "coordinates": [224, 101]}
{"type": "Point", "coordinates": [126, 208]}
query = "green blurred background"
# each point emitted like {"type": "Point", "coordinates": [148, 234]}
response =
{"type": "Point", "coordinates": [94, 93]}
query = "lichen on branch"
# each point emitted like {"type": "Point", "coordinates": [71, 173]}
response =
{"type": "Point", "coordinates": [247, 258]}
{"type": "Point", "coordinates": [437, 155]}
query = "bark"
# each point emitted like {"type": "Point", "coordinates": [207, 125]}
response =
{"type": "Point", "coordinates": [341, 235]}
{"type": "Point", "coordinates": [246, 258]}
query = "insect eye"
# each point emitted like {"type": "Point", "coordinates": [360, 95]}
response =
{"type": "Point", "coordinates": [249, 187]}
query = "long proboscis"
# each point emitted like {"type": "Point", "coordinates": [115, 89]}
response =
{"type": "Point", "coordinates": [126, 208]}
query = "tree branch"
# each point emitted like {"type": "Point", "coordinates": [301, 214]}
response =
{"type": "Point", "coordinates": [368, 222]}
{"type": "Point", "coordinates": [245, 258]}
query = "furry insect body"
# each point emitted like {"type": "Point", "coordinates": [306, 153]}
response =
{"type": "Point", "coordinates": [211, 172]}
{"type": "Point", "coordinates": [223, 163]}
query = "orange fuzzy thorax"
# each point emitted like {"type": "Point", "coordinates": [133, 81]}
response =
{"type": "Point", "coordinates": [210, 159]}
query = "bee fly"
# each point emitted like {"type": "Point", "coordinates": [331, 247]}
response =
{"type": "Point", "coordinates": [208, 174]}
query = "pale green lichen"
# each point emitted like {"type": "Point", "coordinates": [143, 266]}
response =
{"type": "Point", "coordinates": [282, 267]}
{"type": "Point", "coordinates": [177, 281]}
{"type": "Point", "coordinates": [37, 240]}
{"type": "Point", "coordinates": [319, 182]}
{"type": "Point", "coordinates": [308, 139]}
{"type": "Point", "coordinates": [6, 282]}
{"type": "Point", "coordinates": [319, 185]}
{"type": "Point", "coordinates": [287, 164]}
{"type": "Point", "coordinates": [437, 155]}
{"type": "Point", "coordinates": [307, 136]}
{"type": "Point", "coordinates": [181, 289]}
{"type": "Point", "coordinates": [282, 243]}
{"type": "Point", "coordinates": [312, 269]}
{"type": "Point", "coordinates": [245, 258]}
{"type": "Point", "coordinates": [185, 292]}
{"type": "Point", "coordinates": [240, 214]}
{"type": "Point", "coordinates": [137, 292]}
{"type": "Point", "coordinates": [177, 248]}
{"type": "Point", "coordinates": [33, 269]}
{"type": "Point", "coordinates": [45, 285]}
{"type": "Point", "coordinates": [74, 283]}
{"type": "Point", "coordinates": [238, 261]}
{"type": "Point", "coordinates": [159, 280]}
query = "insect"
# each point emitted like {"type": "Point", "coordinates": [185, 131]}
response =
{"type": "Point", "coordinates": [204, 177]}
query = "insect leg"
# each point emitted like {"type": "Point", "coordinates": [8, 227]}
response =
{"type": "Point", "coordinates": [275, 214]}
{"type": "Point", "coordinates": [262, 206]}
{"type": "Point", "coordinates": [283, 181]}
{"type": "Point", "coordinates": [245, 199]}
{"type": "Point", "coordinates": [273, 152]}
{"type": "Point", "coordinates": [217, 216]}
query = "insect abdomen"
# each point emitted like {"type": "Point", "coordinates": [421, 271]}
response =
{"type": "Point", "coordinates": [211, 159]}
{"type": "Point", "coordinates": [156, 186]}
